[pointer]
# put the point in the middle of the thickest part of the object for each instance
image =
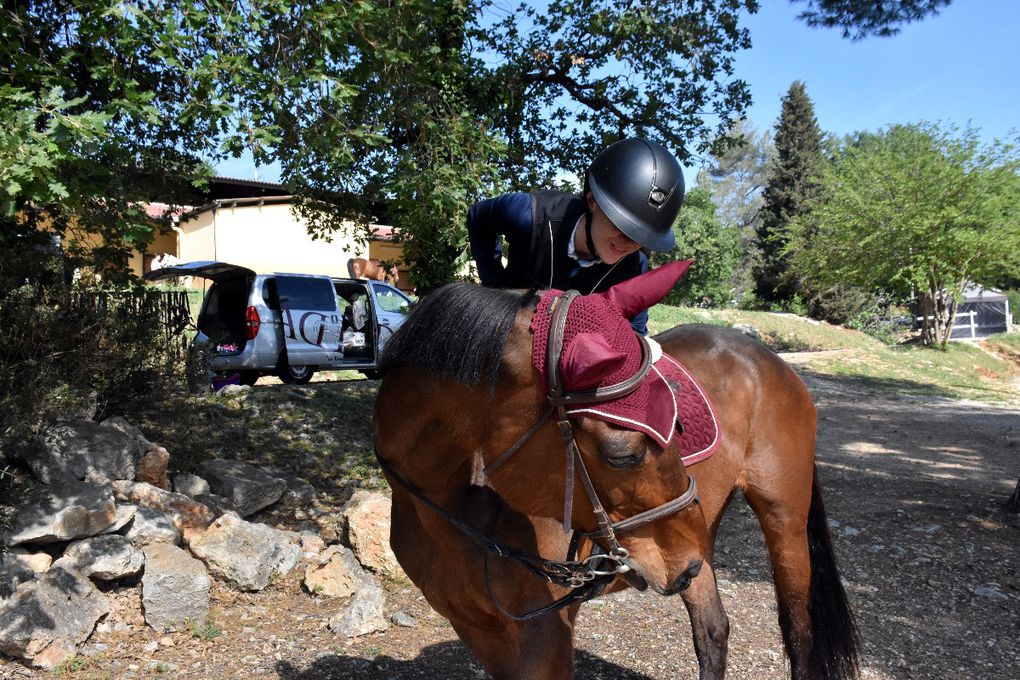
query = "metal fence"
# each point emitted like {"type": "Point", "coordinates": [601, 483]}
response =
{"type": "Point", "coordinates": [166, 312]}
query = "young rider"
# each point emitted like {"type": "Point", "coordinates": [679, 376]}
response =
{"type": "Point", "coordinates": [632, 194]}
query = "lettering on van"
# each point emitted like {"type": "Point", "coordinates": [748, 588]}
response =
{"type": "Point", "coordinates": [311, 327]}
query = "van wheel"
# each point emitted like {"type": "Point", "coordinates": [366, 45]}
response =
{"type": "Point", "coordinates": [249, 377]}
{"type": "Point", "coordinates": [296, 375]}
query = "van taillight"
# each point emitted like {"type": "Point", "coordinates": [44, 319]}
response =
{"type": "Point", "coordinates": [251, 317]}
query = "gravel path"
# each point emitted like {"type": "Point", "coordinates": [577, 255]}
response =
{"type": "Point", "coordinates": [914, 490]}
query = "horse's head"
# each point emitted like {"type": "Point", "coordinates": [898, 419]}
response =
{"type": "Point", "coordinates": [466, 399]}
{"type": "Point", "coordinates": [612, 420]}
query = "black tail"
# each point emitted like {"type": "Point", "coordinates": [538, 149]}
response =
{"type": "Point", "coordinates": [834, 655]}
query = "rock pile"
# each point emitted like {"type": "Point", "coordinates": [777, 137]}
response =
{"type": "Point", "coordinates": [105, 510]}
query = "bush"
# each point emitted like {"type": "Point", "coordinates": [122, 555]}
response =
{"type": "Point", "coordinates": [73, 349]}
{"type": "Point", "coordinates": [1013, 295]}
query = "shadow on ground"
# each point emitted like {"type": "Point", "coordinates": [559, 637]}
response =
{"type": "Point", "coordinates": [447, 660]}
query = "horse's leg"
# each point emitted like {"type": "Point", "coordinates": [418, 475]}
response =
{"type": "Point", "coordinates": [540, 649]}
{"type": "Point", "coordinates": [785, 532]}
{"type": "Point", "coordinates": [709, 624]}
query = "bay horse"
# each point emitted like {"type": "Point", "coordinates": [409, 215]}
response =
{"type": "Point", "coordinates": [481, 491]}
{"type": "Point", "coordinates": [373, 270]}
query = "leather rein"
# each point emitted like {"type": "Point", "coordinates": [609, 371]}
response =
{"type": "Point", "coordinates": [587, 577]}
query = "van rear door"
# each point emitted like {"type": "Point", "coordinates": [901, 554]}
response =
{"type": "Point", "coordinates": [206, 269]}
{"type": "Point", "coordinates": [311, 319]}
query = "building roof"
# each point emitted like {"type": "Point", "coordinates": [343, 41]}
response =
{"type": "Point", "coordinates": [231, 187]}
{"type": "Point", "coordinates": [972, 292]}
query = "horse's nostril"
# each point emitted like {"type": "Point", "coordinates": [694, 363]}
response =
{"type": "Point", "coordinates": [693, 568]}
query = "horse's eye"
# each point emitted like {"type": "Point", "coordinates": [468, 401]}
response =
{"type": "Point", "coordinates": [621, 447]}
{"type": "Point", "coordinates": [632, 460]}
{"type": "Point", "coordinates": [629, 461]}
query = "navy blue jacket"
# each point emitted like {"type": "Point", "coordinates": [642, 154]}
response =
{"type": "Point", "coordinates": [537, 228]}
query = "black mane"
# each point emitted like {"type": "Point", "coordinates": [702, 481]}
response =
{"type": "Point", "coordinates": [458, 331]}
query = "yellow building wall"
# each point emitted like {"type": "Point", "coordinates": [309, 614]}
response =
{"type": "Point", "coordinates": [266, 238]}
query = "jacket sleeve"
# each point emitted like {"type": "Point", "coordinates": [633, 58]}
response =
{"type": "Point", "coordinates": [640, 321]}
{"type": "Point", "coordinates": [508, 215]}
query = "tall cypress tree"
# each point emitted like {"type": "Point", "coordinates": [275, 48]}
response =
{"type": "Point", "coordinates": [792, 183]}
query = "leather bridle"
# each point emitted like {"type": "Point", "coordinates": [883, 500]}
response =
{"type": "Point", "coordinates": [559, 400]}
{"type": "Point", "coordinates": [586, 577]}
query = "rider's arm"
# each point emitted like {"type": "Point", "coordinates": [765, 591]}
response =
{"type": "Point", "coordinates": [507, 215]}
{"type": "Point", "coordinates": [640, 320]}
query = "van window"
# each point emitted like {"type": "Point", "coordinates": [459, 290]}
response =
{"type": "Point", "coordinates": [299, 292]}
{"type": "Point", "coordinates": [390, 299]}
{"type": "Point", "coordinates": [269, 295]}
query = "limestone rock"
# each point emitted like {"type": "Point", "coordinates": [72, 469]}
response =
{"type": "Point", "coordinates": [367, 518]}
{"type": "Point", "coordinates": [403, 619]}
{"type": "Point", "coordinates": [151, 526]}
{"type": "Point", "coordinates": [362, 615]}
{"type": "Point", "coordinates": [120, 424]}
{"type": "Point", "coordinates": [63, 511]}
{"type": "Point", "coordinates": [13, 573]}
{"type": "Point", "coordinates": [248, 487]}
{"type": "Point", "coordinates": [186, 512]}
{"type": "Point", "coordinates": [38, 562]}
{"type": "Point", "coordinates": [152, 467]}
{"type": "Point", "coordinates": [299, 494]}
{"type": "Point", "coordinates": [70, 449]}
{"type": "Point", "coordinates": [175, 588]}
{"type": "Point", "coordinates": [246, 554]}
{"type": "Point", "coordinates": [336, 573]}
{"type": "Point", "coordinates": [125, 513]}
{"type": "Point", "coordinates": [105, 558]}
{"type": "Point", "coordinates": [46, 620]}
{"type": "Point", "coordinates": [218, 504]}
{"type": "Point", "coordinates": [190, 485]}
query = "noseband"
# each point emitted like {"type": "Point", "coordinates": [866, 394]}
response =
{"type": "Point", "coordinates": [559, 400]}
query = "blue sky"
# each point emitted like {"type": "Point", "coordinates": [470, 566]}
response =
{"type": "Point", "coordinates": [960, 67]}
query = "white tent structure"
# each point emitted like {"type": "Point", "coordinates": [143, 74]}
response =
{"type": "Point", "coordinates": [983, 312]}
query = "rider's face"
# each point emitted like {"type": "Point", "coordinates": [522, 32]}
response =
{"type": "Point", "coordinates": [611, 243]}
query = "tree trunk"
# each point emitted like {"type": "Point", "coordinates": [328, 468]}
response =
{"type": "Point", "coordinates": [938, 312]}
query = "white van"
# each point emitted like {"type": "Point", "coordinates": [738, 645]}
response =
{"type": "Point", "coordinates": [291, 325]}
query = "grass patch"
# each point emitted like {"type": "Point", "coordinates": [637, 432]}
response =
{"type": "Point", "coordinates": [86, 667]}
{"type": "Point", "coordinates": [664, 317]}
{"type": "Point", "coordinates": [780, 332]}
{"type": "Point", "coordinates": [963, 371]}
{"type": "Point", "coordinates": [204, 631]}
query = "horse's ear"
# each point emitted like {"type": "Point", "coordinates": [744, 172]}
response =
{"type": "Point", "coordinates": [587, 359]}
{"type": "Point", "coordinates": [641, 292]}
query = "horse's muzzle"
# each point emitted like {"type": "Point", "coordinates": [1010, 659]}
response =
{"type": "Point", "coordinates": [683, 582]}
{"type": "Point", "coordinates": [637, 580]}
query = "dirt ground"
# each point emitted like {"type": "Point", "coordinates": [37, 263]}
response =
{"type": "Point", "coordinates": [914, 489]}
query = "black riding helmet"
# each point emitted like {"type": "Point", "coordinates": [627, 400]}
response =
{"type": "Point", "coordinates": [640, 187]}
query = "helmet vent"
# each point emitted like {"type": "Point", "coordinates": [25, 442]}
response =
{"type": "Point", "coordinates": [657, 197]}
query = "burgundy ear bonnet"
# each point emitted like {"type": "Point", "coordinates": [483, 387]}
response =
{"type": "Point", "coordinates": [600, 349]}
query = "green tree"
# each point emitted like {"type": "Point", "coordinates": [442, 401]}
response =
{"type": "Point", "coordinates": [862, 18]}
{"type": "Point", "coordinates": [455, 100]}
{"type": "Point", "coordinates": [702, 237]}
{"type": "Point", "coordinates": [792, 184]}
{"type": "Point", "coordinates": [736, 177]}
{"type": "Point", "coordinates": [916, 210]}
{"type": "Point", "coordinates": [105, 107]}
